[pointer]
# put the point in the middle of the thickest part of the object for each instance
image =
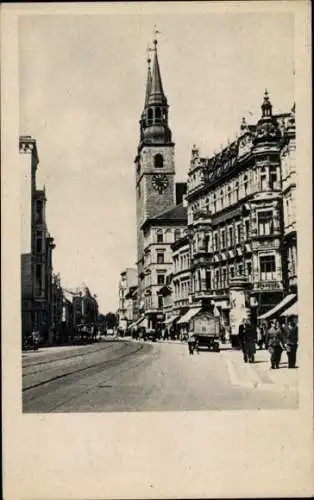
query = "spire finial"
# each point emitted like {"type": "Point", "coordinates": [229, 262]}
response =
{"type": "Point", "coordinates": [148, 50]}
{"type": "Point", "coordinates": [266, 106]}
{"type": "Point", "coordinates": [155, 33]}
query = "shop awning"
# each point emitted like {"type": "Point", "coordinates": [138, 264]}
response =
{"type": "Point", "coordinates": [291, 311]}
{"type": "Point", "coordinates": [189, 315]}
{"type": "Point", "coordinates": [171, 319]}
{"type": "Point", "coordinates": [142, 322]}
{"type": "Point", "coordinates": [279, 308]}
{"type": "Point", "coordinates": [139, 322]}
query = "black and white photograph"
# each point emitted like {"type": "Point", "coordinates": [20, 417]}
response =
{"type": "Point", "coordinates": [158, 213]}
{"type": "Point", "coordinates": [159, 209]}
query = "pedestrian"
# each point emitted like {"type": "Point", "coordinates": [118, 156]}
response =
{"type": "Point", "coordinates": [291, 341]}
{"type": "Point", "coordinates": [275, 343]}
{"type": "Point", "coordinates": [248, 341]}
{"type": "Point", "coordinates": [35, 339]}
{"type": "Point", "coordinates": [191, 342]}
{"type": "Point", "coordinates": [242, 340]}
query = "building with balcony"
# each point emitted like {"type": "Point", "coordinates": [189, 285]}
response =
{"type": "Point", "coordinates": [288, 179]}
{"type": "Point", "coordinates": [236, 220]}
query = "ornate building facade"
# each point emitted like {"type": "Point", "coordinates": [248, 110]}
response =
{"type": "Point", "coordinates": [236, 222]}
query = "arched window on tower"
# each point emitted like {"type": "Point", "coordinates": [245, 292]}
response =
{"type": "Point", "coordinates": [158, 161]}
{"type": "Point", "coordinates": [150, 116]}
{"type": "Point", "coordinates": [157, 115]}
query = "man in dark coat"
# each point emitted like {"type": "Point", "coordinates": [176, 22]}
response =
{"type": "Point", "coordinates": [247, 338]}
{"type": "Point", "coordinates": [275, 343]}
{"type": "Point", "coordinates": [291, 340]}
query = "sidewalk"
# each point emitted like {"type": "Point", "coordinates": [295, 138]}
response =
{"type": "Point", "coordinates": [259, 374]}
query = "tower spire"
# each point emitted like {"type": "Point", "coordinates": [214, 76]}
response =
{"type": "Point", "coordinates": [149, 76]}
{"type": "Point", "coordinates": [157, 95]}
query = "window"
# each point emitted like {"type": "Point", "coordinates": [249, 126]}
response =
{"type": "Point", "coordinates": [160, 302]}
{"type": "Point", "coordinates": [224, 277]}
{"type": "Point", "coordinates": [223, 239]}
{"type": "Point", "coordinates": [160, 236]}
{"type": "Point", "coordinates": [229, 195]}
{"type": "Point", "coordinates": [247, 229]}
{"type": "Point", "coordinates": [177, 234]}
{"type": "Point", "coordinates": [237, 191]}
{"type": "Point", "coordinates": [39, 281]}
{"type": "Point", "coordinates": [272, 177]}
{"type": "Point", "coordinates": [238, 234]}
{"type": "Point", "coordinates": [215, 203]}
{"type": "Point", "coordinates": [158, 161]}
{"type": "Point", "coordinates": [230, 236]}
{"type": "Point", "coordinates": [217, 278]}
{"type": "Point", "coordinates": [160, 279]}
{"type": "Point", "coordinates": [39, 212]}
{"type": "Point", "coordinates": [249, 268]}
{"type": "Point", "coordinates": [207, 205]}
{"type": "Point", "coordinates": [221, 199]}
{"type": "Point", "coordinates": [150, 116]}
{"type": "Point", "coordinates": [216, 241]}
{"type": "Point", "coordinates": [267, 267]}
{"type": "Point", "coordinates": [240, 269]}
{"type": "Point", "coordinates": [157, 115]}
{"type": "Point", "coordinates": [160, 258]}
{"type": "Point", "coordinates": [39, 242]}
{"type": "Point", "coordinates": [231, 271]}
{"type": "Point", "coordinates": [265, 222]}
{"type": "Point", "coordinates": [208, 280]}
{"type": "Point", "coordinates": [263, 178]}
{"type": "Point", "coordinates": [245, 185]}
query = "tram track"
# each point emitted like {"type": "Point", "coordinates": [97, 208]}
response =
{"type": "Point", "coordinates": [91, 367]}
{"type": "Point", "coordinates": [49, 362]}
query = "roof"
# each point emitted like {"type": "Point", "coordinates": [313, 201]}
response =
{"type": "Point", "coordinates": [177, 214]}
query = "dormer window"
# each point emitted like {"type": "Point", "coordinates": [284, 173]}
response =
{"type": "Point", "coordinates": [158, 161]}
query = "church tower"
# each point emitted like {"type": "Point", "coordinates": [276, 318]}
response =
{"type": "Point", "coordinates": [155, 170]}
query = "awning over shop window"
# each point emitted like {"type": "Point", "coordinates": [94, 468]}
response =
{"type": "Point", "coordinates": [189, 315]}
{"type": "Point", "coordinates": [291, 311]}
{"type": "Point", "coordinates": [279, 308]}
{"type": "Point", "coordinates": [171, 319]}
{"type": "Point", "coordinates": [140, 322]}
{"type": "Point", "coordinates": [231, 254]}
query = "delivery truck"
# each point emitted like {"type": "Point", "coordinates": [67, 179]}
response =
{"type": "Point", "coordinates": [205, 327]}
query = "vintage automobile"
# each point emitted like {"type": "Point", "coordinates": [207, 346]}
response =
{"type": "Point", "coordinates": [205, 327]}
{"type": "Point", "coordinates": [150, 334]}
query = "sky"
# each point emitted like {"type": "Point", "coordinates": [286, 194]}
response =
{"type": "Point", "coordinates": [82, 86]}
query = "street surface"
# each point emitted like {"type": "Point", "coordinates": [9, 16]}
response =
{"type": "Point", "coordinates": [129, 375]}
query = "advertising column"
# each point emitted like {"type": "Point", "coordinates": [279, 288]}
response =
{"type": "Point", "coordinates": [238, 305]}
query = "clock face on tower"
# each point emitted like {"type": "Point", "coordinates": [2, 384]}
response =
{"type": "Point", "coordinates": [160, 182]}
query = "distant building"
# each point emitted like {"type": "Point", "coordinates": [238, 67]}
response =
{"type": "Point", "coordinates": [128, 281]}
{"type": "Point", "coordinates": [159, 234]}
{"type": "Point", "coordinates": [36, 245]}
